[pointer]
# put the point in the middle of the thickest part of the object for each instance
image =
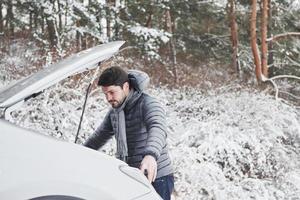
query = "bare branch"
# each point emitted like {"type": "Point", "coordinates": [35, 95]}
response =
{"type": "Point", "coordinates": [283, 35]}
{"type": "Point", "coordinates": [290, 94]}
{"type": "Point", "coordinates": [276, 88]}
{"type": "Point", "coordinates": [293, 61]}
{"type": "Point", "coordinates": [284, 76]}
{"type": "Point", "coordinates": [272, 80]}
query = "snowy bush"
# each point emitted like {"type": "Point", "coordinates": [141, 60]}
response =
{"type": "Point", "coordinates": [233, 145]}
{"type": "Point", "coordinates": [229, 143]}
{"type": "Point", "coordinates": [149, 39]}
{"type": "Point", "coordinates": [14, 63]}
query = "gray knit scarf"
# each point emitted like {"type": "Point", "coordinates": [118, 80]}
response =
{"type": "Point", "coordinates": [119, 126]}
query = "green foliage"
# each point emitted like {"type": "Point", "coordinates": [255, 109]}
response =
{"type": "Point", "coordinates": [200, 28]}
{"type": "Point", "coordinates": [144, 26]}
{"type": "Point", "coordinates": [285, 51]}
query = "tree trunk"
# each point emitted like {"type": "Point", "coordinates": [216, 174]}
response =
{"type": "Point", "coordinates": [270, 44]}
{"type": "Point", "coordinates": [234, 36]}
{"type": "Point", "coordinates": [172, 45]}
{"type": "Point", "coordinates": [42, 20]}
{"type": "Point", "coordinates": [78, 37]}
{"type": "Point", "coordinates": [149, 19]}
{"type": "Point", "coordinates": [100, 27]}
{"type": "Point", "coordinates": [51, 27]}
{"type": "Point", "coordinates": [264, 45]}
{"type": "Point", "coordinates": [108, 18]}
{"type": "Point", "coordinates": [66, 13]}
{"type": "Point", "coordinates": [108, 28]}
{"type": "Point", "coordinates": [59, 16]}
{"type": "Point", "coordinates": [51, 31]}
{"type": "Point", "coordinates": [117, 25]}
{"type": "Point", "coordinates": [30, 20]}
{"type": "Point", "coordinates": [1, 18]}
{"type": "Point", "coordinates": [10, 19]}
{"type": "Point", "coordinates": [117, 30]}
{"type": "Point", "coordinates": [35, 18]}
{"type": "Point", "coordinates": [254, 47]}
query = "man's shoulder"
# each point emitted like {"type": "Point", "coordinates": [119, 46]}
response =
{"type": "Point", "coordinates": [149, 101]}
{"type": "Point", "coordinates": [152, 107]}
{"type": "Point", "coordinates": [148, 98]}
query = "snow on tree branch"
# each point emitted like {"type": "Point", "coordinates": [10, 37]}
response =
{"type": "Point", "coordinates": [283, 35]}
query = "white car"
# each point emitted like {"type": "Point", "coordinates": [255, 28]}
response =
{"type": "Point", "coordinates": [35, 166]}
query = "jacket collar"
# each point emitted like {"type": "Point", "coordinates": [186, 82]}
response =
{"type": "Point", "coordinates": [132, 101]}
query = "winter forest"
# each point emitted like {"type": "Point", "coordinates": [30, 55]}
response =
{"type": "Point", "coordinates": [227, 73]}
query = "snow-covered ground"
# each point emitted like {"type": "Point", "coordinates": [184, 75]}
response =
{"type": "Point", "coordinates": [227, 143]}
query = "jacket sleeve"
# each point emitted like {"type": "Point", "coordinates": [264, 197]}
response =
{"type": "Point", "coordinates": [103, 133]}
{"type": "Point", "coordinates": [155, 120]}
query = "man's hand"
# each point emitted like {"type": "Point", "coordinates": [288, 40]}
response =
{"type": "Point", "coordinates": [149, 164]}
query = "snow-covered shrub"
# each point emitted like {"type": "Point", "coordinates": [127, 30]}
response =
{"type": "Point", "coordinates": [228, 144]}
{"type": "Point", "coordinates": [14, 63]}
{"type": "Point", "coordinates": [233, 145]}
{"type": "Point", "coordinates": [225, 145]}
{"type": "Point", "coordinates": [57, 111]}
{"type": "Point", "coordinates": [149, 40]}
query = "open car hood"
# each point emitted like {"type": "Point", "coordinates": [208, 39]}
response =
{"type": "Point", "coordinates": [35, 83]}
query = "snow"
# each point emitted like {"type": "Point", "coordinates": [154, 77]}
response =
{"type": "Point", "coordinates": [232, 145]}
{"type": "Point", "coordinates": [226, 143]}
{"type": "Point", "coordinates": [150, 38]}
{"type": "Point", "coordinates": [148, 33]}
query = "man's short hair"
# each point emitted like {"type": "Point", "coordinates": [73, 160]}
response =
{"type": "Point", "coordinates": [113, 76]}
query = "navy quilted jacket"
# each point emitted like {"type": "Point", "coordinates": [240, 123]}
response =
{"type": "Point", "coordinates": [146, 132]}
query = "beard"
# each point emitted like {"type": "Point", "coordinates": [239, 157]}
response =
{"type": "Point", "coordinates": [117, 103]}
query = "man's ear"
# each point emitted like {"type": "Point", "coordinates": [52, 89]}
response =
{"type": "Point", "coordinates": [126, 86]}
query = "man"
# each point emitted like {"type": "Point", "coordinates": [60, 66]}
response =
{"type": "Point", "coordinates": [139, 124]}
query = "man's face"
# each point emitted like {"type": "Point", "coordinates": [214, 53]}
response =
{"type": "Point", "coordinates": [115, 95]}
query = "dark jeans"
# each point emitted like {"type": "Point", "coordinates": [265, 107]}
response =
{"type": "Point", "coordinates": [164, 186]}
